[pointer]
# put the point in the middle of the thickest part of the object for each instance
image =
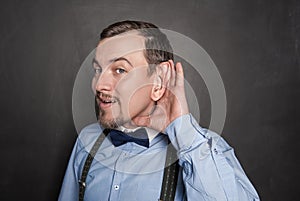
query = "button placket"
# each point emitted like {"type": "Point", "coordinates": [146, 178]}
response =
{"type": "Point", "coordinates": [115, 189]}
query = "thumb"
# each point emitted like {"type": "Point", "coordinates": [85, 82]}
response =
{"type": "Point", "coordinates": [158, 119]}
{"type": "Point", "coordinates": [142, 121]}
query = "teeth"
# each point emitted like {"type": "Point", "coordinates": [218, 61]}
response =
{"type": "Point", "coordinates": [108, 101]}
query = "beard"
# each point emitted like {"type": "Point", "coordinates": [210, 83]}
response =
{"type": "Point", "coordinates": [112, 123]}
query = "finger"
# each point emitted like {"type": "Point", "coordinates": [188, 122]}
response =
{"type": "Point", "coordinates": [158, 118]}
{"type": "Point", "coordinates": [173, 74]}
{"type": "Point", "coordinates": [167, 76]}
{"type": "Point", "coordinates": [143, 121]}
{"type": "Point", "coordinates": [179, 74]}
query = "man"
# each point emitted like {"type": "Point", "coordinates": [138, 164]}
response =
{"type": "Point", "coordinates": [137, 84]}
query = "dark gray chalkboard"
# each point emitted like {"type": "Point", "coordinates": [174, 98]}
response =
{"type": "Point", "coordinates": [254, 44]}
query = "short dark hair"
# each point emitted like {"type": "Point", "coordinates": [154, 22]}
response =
{"type": "Point", "coordinates": [158, 48]}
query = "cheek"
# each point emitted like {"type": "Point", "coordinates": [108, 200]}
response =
{"type": "Point", "coordinates": [135, 95]}
{"type": "Point", "coordinates": [134, 90]}
{"type": "Point", "coordinates": [139, 101]}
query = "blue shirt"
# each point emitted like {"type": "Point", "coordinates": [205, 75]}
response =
{"type": "Point", "coordinates": [209, 170]}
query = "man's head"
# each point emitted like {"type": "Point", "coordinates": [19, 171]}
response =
{"type": "Point", "coordinates": [157, 45]}
{"type": "Point", "coordinates": [128, 74]}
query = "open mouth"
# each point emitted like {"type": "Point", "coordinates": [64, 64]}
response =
{"type": "Point", "coordinates": [105, 100]}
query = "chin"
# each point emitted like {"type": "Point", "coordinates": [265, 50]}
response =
{"type": "Point", "coordinates": [110, 122]}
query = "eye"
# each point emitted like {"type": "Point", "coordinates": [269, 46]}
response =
{"type": "Point", "coordinates": [97, 71]}
{"type": "Point", "coordinates": [120, 71]}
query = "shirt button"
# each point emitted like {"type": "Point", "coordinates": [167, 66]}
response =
{"type": "Point", "coordinates": [116, 187]}
{"type": "Point", "coordinates": [216, 151]}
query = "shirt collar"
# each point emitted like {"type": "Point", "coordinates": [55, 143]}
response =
{"type": "Point", "coordinates": [150, 132]}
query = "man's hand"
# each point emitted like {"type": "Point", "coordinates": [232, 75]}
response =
{"type": "Point", "coordinates": [172, 104]}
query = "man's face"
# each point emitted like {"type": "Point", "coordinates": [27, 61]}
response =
{"type": "Point", "coordinates": [122, 83]}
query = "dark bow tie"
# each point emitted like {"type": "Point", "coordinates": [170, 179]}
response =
{"type": "Point", "coordinates": [139, 137]}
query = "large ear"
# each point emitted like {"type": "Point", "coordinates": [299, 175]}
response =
{"type": "Point", "coordinates": [161, 77]}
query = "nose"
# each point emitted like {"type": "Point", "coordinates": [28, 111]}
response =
{"type": "Point", "coordinates": [104, 82]}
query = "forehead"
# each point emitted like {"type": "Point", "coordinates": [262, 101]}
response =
{"type": "Point", "coordinates": [119, 46]}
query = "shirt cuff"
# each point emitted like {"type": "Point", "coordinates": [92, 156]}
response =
{"type": "Point", "coordinates": [184, 131]}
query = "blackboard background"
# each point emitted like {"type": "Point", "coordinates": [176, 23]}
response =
{"type": "Point", "coordinates": [254, 44]}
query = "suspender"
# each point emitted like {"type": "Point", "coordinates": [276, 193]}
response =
{"type": "Point", "coordinates": [88, 163]}
{"type": "Point", "coordinates": [168, 188]}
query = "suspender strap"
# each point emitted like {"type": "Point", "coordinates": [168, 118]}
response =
{"type": "Point", "coordinates": [88, 163]}
{"type": "Point", "coordinates": [171, 170]}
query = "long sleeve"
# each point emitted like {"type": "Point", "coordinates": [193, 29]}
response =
{"type": "Point", "coordinates": [69, 190]}
{"type": "Point", "coordinates": [210, 169]}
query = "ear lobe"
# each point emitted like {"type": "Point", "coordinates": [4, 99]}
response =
{"type": "Point", "coordinates": [157, 89]}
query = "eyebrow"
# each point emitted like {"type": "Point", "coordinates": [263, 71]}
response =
{"type": "Point", "coordinates": [114, 60]}
{"type": "Point", "coordinates": [121, 59]}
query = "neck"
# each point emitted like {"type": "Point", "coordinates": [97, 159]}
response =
{"type": "Point", "coordinates": [130, 125]}
{"type": "Point", "coordinates": [143, 115]}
